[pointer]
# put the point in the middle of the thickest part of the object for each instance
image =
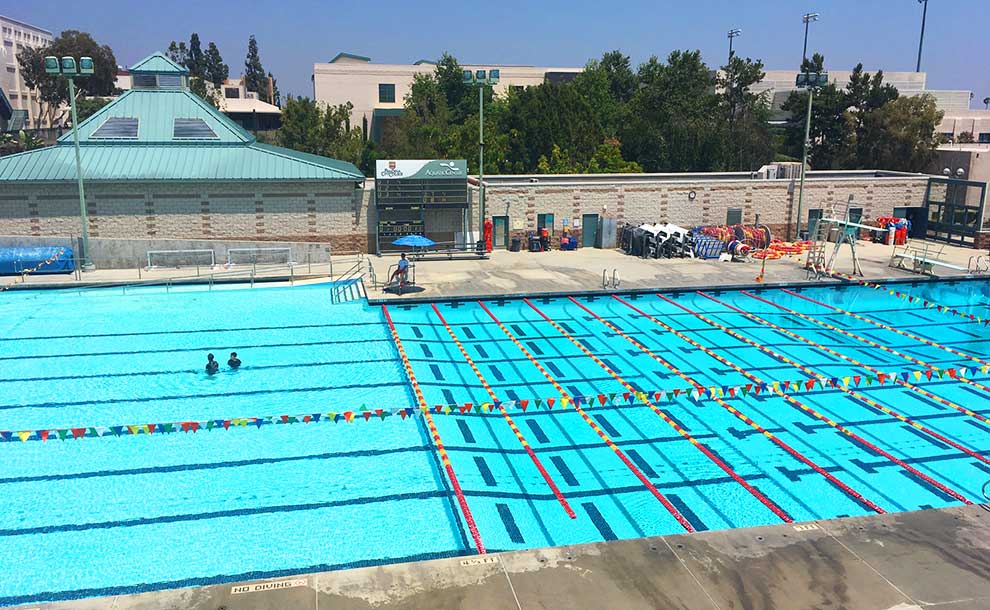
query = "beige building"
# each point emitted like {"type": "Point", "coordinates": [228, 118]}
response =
{"type": "Point", "coordinates": [780, 84]}
{"type": "Point", "coordinates": [973, 122]}
{"type": "Point", "coordinates": [378, 90]}
{"type": "Point", "coordinates": [14, 37]}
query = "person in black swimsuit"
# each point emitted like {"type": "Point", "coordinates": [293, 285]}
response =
{"type": "Point", "coordinates": [211, 365]}
{"type": "Point", "coordinates": [234, 361]}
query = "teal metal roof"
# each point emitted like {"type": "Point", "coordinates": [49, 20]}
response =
{"type": "Point", "coordinates": [157, 154]}
{"type": "Point", "coordinates": [158, 63]}
{"type": "Point", "coordinates": [122, 162]}
{"type": "Point", "coordinates": [349, 56]}
{"type": "Point", "coordinates": [156, 111]}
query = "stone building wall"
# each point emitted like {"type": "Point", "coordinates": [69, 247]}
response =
{"type": "Point", "coordinates": [338, 214]}
{"type": "Point", "coordinates": [264, 211]}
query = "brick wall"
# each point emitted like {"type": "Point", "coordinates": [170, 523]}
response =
{"type": "Point", "coordinates": [270, 211]}
{"type": "Point", "coordinates": [339, 214]}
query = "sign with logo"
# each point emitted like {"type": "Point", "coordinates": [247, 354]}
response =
{"type": "Point", "coordinates": [420, 169]}
{"type": "Point", "coordinates": [420, 184]}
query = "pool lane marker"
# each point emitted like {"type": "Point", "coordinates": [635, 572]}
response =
{"type": "Point", "coordinates": [843, 487]}
{"type": "Point", "coordinates": [565, 397]}
{"type": "Point", "coordinates": [914, 471]}
{"type": "Point", "coordinates": [522, 439]}
{"type": "Point", "coordinates": [880, 374]}
{"type": "Point", "coordinates": [826, 381]}
{"type": "Point", "coordinates": [468, 517]}
{"type": "Point", "coordinates": [984, 364]}
{"type": "Point", "coordinates": [770, 504]}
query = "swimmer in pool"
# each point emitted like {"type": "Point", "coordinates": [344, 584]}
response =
{"type": "Point", "coordinates": [234, 361]}
{"type": "Point", "coordinates": [211, 364]}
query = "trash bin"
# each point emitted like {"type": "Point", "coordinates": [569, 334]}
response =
{"type": "Point", "coordinates": [515, 245]}
{"type": "Point", "coordinates": [534, 244]}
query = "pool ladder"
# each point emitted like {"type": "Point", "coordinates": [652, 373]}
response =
{"type": "Point", "coordinates": [610, 282]}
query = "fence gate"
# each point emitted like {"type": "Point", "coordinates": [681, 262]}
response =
{"type": "Point", "coordinates": [954, 210]}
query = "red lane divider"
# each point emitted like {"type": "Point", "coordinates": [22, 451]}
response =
{"type": "Point", "coordinates": [826, 381]}
{"type": "Point", "coordinates": [920, 475]}
{"type": "Point", "coordinates": [508, 419]}
{"type": "Point", "coordinates": [843, 487]}
{"type": "Point", "coordinates": [903, 333]}
{"type": "Point", "coordinates": [780, 512]}
{"type": "Point", "coordinates": [468, 517]}
{"type": "Point", "coordinates": [564, 397]}
{"type": "Point", "coordinates": [880, 374]}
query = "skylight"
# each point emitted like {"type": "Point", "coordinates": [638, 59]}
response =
{"type": "Point", "coordinates": [192, 129]}
{"type": "Point", "coordinates": [117, 127]}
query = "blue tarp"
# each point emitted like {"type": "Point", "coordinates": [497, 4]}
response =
{"type": "Point", "coordinates": [37, 259]}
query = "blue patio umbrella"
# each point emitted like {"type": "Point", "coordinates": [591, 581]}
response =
{"type": "Point", "coordinates": [414, 241]}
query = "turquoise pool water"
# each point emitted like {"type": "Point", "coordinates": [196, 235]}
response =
{"type": "Point", "coordinates": [108, 513]}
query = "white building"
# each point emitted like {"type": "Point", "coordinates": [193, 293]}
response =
{"type": "Point", "coordinates": [16, 36]}
{"type": "Point", "coordinates": [378, 90]}
{"type": "Point", "coordinates": [780, 84]}
{"type": "Point", "coordinates": [973, 122]}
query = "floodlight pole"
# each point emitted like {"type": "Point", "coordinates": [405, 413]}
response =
{"type": "Point", "coordinates": [921, 41]}
{"type": "Point", "coordinates": [804, 160]}
{"type": "Point", "coordinates": [481, 159]}
{"type": "Point", "coordinates": [85, 263]}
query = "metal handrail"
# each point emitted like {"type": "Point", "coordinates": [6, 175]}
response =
{"type": "Point", "coordinates": [615, 278]}
{"type": "Point", "coordinates": [354, 272]}
{"type": "Point", "coordinates": [168, 281]}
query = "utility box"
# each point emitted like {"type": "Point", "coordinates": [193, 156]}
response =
{"type": "Point", "coordinates": [607, 228]}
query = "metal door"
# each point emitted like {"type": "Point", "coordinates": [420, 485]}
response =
{"type": "Point", "coordinates": [589, 230]}
{"type": "Point", "coordinates": [500, 231]}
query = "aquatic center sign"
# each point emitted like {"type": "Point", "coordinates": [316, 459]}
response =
{"type": "Point", "coordinates": [419, 184]}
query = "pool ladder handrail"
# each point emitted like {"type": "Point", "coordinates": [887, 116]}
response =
{"type": "Point", "coordinates": [978, 264]}
{"type": "Point", "coordinates": [168, 282]}
{"type": "Point", "coordinates": [610, 282]}
{"type": "Point", "coordinates": [354, 274]}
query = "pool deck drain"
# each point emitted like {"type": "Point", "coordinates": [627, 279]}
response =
{"type": "Point", "coordinates": [931, 559]}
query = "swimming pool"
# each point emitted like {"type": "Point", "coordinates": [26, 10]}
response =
{"type": "Point", "coordinates": [550, 421]}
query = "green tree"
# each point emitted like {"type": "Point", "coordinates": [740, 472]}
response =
{"type": "Point", "coordinates": [12, 143]}
{"type": "Point", "coordinates": [608, 160]}
{"type": "Point", "coordinates": [865, 94]}
{"type": "Point", "coordinates": [195, 61]}
{"type": "Point", "coordinates": [214, 70]}
{"type": "Point", "coordinates": [178, 53]}
{"type": "Point", "coordinates": [255, 77]}
{"type": "Point", "coordinates": [671, 123]}
{"type": "Point", "coordinates": [205, 90]}
{"type": "Point", "coordinates": [89, 106]}
{"type": "Point", "coordinates": [320, 130]}
{"type": "Point", "coordinates": [747, 144]}
{"type": "Point", "coordinates": [965, 137]}
{"type": "Point", "coordinates": [607, 85]}
{"type": "Point", "coordinates": [901, 134]}
{"type": "Point", "coordinates": [459, 95]}
{"type": "Point", "coordinates": [53, 91]}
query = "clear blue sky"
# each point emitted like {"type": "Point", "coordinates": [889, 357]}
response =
{"type": "Point", "coordinates": [294, 34]}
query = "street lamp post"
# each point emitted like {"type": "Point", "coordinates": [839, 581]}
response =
{"type": "Point", "coordinates": [808, 18]}
{"type": "Point", "coordinates": [921, 41]}
{"type": "Point", "coordinates": [67, 67]}
{"type": "Point", "coordinates": [732, 34]}
{"type": "Point", "coordinates": [481, 79]}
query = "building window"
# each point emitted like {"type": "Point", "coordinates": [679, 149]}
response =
{"type": "Point", "coordinates": [231, 93]}
{"type": "Point", "coordinates": [143, 81]}
{"type": "Point", "coordinates": [984, 138]}
{"type": "Point", "coordinates": [516, 88]}
{"type": "Point", "coordinates": [386, 93]}
{"type": "Point", "coordinates": [733, 216]}
{"type": "Point", "coordinates": [947, 136]}
{"type": "Point", "coordinates": [170, 80]}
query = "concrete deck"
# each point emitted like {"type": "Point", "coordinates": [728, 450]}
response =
{"type": "Point", "coordinates": [933, 559]}
{"type": "Point", "coordinates": [527, 272]}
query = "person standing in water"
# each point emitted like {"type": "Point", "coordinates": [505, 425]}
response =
{"type": "Point", "coordinates": [234, 361]}
{"type": "Point", "coordinates": [211, 365]}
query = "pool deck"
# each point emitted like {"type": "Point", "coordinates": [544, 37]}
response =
{"type": "Point", "coordinates": [513, 273]}
{"type": "Point", "coordinates": [931, 559]}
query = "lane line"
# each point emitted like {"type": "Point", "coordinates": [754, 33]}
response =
{"type": "Point", "coordinates": [855, 362]}
{"type": "Point", "coordinates": [903, 333]}
{"type": "Point", "coordinates": [608, 441]}
{"type": "Point", "coordinates": [826, 381]}
{"type": "Point", "coordinates": [508, 418]}
{"type": "Point", "coordinates": [843, 487]}
{"type": "Point", "coordinates": [770, 504]}
{"type": "Point", "coordinates": [465, 510]}
{"type": "Point", "coordinates": [920, 475]}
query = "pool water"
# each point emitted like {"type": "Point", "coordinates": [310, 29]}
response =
{"type": "Point", "coordinates": [121, 514]}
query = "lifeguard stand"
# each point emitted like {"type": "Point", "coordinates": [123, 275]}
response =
{"type": "Point", "coordinates": [821, 262]}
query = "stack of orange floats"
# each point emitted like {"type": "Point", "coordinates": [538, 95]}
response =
{"type": "Point", "coordinates": [779, 249]}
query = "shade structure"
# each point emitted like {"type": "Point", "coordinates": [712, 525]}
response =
{"type": "Point", "coordinates": [414, 241]}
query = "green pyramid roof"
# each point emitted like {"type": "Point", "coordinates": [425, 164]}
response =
{"type": "Point", "coordinates": [157, 63]}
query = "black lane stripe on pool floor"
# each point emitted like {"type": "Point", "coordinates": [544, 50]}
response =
{"type": "Point", "coordinates": [174, 350]}
{"type": "Point", "coordinates": [114, 401]}
{"type": "Point", "coordinates": [194, 331]}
